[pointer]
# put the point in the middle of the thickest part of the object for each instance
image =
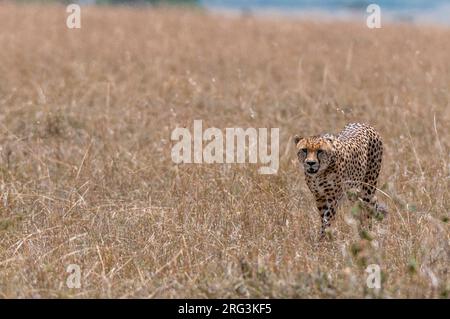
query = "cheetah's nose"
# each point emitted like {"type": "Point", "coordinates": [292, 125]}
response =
{"type": "Point", "coordinates": [310, 163]}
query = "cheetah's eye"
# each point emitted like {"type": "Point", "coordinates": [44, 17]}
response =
{"type": "Point", "coordinates": [319, 152]}
{"type": "Point", "coordinates": [304, 150]}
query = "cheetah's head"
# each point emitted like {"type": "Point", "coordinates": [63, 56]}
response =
{"type": "Point", "coordinates": [316, 153]}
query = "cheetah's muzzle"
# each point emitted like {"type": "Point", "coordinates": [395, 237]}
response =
{"type": "Point", "coordinates": [311, 170]}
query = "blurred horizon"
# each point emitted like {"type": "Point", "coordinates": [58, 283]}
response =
{"type": "Point", "coordinates": [413, 11]}
{"type": "Point", "coordinates": [410, 11]}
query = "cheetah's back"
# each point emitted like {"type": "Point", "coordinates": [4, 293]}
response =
{"type": "Point", "coordinates": [360, 149]}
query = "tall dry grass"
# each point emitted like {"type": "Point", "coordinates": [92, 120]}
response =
{"type": "Point", "coordinates": [86, 175]}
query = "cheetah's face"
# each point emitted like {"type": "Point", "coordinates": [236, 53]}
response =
{"type": "Point", "coordinates": [314, 153]}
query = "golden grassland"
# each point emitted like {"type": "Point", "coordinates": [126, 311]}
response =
{"type": "Point", "coordinates": [86, 175]}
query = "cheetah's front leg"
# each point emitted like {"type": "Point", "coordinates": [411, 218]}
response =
{"type": "Point", "coordinates": [327, 212]}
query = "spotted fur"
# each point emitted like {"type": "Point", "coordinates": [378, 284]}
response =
{"type": "Point", "coordinates": [335, 164]}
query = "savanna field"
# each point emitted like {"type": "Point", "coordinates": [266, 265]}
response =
{"type": "Point", "coordinates": [86, 175]}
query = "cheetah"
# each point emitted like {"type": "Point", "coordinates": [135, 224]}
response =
{"type": "Point", "coordinates": [336, 164]}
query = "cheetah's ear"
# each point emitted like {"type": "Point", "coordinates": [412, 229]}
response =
{"type": "Point", "coordinates": [297, 139]}
{"type": "Point", "coordinates": [330, 139]}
